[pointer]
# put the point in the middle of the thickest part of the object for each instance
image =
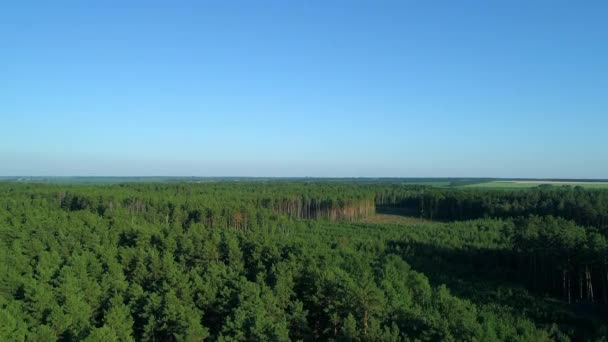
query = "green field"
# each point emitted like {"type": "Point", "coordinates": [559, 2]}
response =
{"type": "Point", "coordinates": [513, 184]}
{"type": "Point", "coordinates": [459, 183]}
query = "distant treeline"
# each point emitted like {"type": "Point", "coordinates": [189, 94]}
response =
{"type": "Point", "coordinates": [584, 206]}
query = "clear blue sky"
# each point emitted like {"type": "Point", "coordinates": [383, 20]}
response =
{"type": "Point", "coordinates": [304, 88]}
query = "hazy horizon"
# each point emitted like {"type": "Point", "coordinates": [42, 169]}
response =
{"type": "Point", "coordinates": [163, 178]}
{"type": "Point", "coordinates": [304, 89]}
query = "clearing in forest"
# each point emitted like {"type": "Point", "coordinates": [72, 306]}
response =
{"type": "Point", "coordinates": [524, 184]}
{"type": "Point", "coordinates": [393, 219]}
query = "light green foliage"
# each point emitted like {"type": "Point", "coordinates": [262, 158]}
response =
{"type": "Point", "coordinates": [118, 318]}
{"type": "Point", "coordinates": [103, 334]}
{"type": "Point", "coordinates": [12, 326]}
{"type": "Point", "coordinates": [349, 329]}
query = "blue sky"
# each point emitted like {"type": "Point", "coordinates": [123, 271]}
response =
{"type": "Point", "coordinates": [304, 88]}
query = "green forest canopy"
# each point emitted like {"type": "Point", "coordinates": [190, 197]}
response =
{"type": "Point", "coordinates": [292, 260]}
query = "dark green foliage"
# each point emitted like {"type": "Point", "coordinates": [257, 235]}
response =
{"type": "Point", "coordinates": [288, 261]}
{"type": "Point", "coordinates": [584, 206]}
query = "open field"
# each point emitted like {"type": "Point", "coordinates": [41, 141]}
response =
{"type": "Point", "coordinates": [524, 184]}
{"type": "Point", "coordinates": [460, 183]}
{"type": "Point", "coordinates": [438, 182]}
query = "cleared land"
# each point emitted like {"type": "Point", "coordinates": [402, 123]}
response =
{"type": "Point", "coordinates": [530, 184]}
{"type": "Point", "coordinates": [393, 219]}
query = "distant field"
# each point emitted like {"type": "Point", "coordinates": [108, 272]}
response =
{"type": "Point", "coordinates": [530, 184]}
{"type": "Point", "coordinates": [437, 182]}
{"type": "Point", "coordinates": [455, 183]}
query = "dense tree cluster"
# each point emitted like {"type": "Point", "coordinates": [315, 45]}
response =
{"type": "Point", "coordinates": [274, 261]}
{"type": "Point", "coordinates": [586, 207]}
{"type": "Point", "coordinates": [562, 258]}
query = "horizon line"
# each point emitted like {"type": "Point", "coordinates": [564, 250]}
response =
{"type": "Point", "coordinates": [311, 177]}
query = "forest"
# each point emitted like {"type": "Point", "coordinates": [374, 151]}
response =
{"type": "Point", "coordinates": [301, 260]}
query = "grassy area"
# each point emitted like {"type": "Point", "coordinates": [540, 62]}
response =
{"type": "Point", "coordinates": [393, 219]}
{"type": "Point", "coordinates": [531, 184]}
{"type": "Point", "coordinates": [459, 183]}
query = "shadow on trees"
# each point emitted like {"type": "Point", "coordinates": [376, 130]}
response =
{"type": "Point", "coordinates": [450, 265]}
{"type": "Point", "coordinates": [499, 276]}
{"type": "Point", "coordinates": [400, 211]}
